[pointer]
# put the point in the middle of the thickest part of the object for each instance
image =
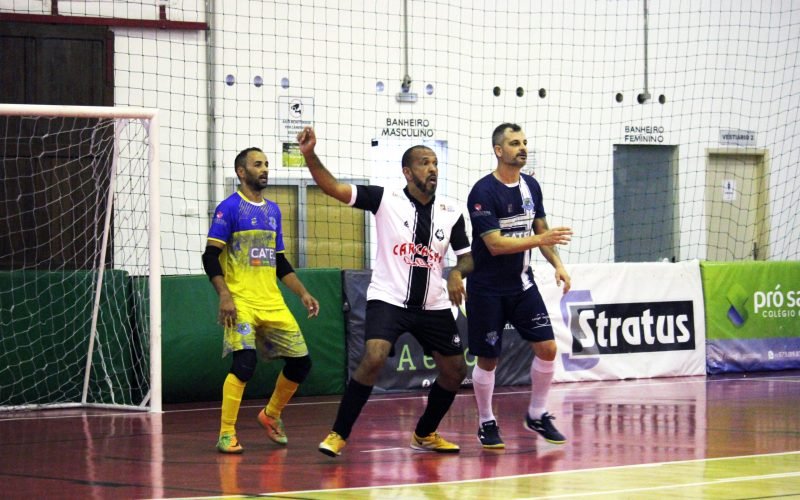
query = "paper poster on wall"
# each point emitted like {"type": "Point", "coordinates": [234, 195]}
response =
{"type": "Point", "coordinates": [729, 190]}
{"type": "Point", "coordinates": [291, 155]}
{"type": "Point", "coordinates": [294, 113]}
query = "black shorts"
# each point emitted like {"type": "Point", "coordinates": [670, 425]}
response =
{"type": "Point", "coordinates": [488, 315]}
{"type": "Point", "coordinates": [435, 330]}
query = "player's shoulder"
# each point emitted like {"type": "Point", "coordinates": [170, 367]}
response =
{"type": "Point", "coordinates": [447, 204]}
{"type": "Point", "coordinates": [529, 179]}
{"type": "Point", "coordinates": [485, 183]}
{"type": "Point", "coordinates": [231, 203]}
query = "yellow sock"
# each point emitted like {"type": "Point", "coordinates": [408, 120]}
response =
{"type": "Point", "coordinates": [284, 390]}
{"type": "Point", "coordinates": [232, 391]}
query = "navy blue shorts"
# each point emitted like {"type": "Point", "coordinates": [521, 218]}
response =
{"type": "Point", "coordinates": [435, 330]}
{"type": "Point", "coordinates": [487, 317]}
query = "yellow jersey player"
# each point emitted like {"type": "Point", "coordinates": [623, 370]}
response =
{"type": "Point", "coordinates": [244, 258]}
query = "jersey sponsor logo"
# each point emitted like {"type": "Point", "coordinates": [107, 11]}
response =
{"type": "Point", "coordinates": [527, 204]}
{"type": "Point", "coordinates": [219, 219]}
{"type": "Point", "coordinates": [417, 254]}
{"type": "Point", "coordinates": [479, 211]}
{"type": "Point", "coordinates": [262, 256]}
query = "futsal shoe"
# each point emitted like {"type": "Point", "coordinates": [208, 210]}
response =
{"type": "Point", "coordinates": [332, 445]}
{"type": "Point", "coordinates": [273, 426]}
{"type": "Point", "coordinates": [489, 436]}
{"type": "Point", "coordinates": [545, 428]}
{"type": "Point", "coordinates": [433, 442]}
{"type": "Point", "coordinates": [228, 443]}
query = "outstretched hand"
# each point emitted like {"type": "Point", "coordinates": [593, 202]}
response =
{"type": "Point", "coordinates": [307, 139]}
{"type": "Point", "coordinates": [556, 236]}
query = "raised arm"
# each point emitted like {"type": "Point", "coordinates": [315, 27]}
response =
{"type": "Point", "coordinates": [324, 179]}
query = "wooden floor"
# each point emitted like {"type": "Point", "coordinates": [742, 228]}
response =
{"type": "Point", "coordinates": [694, 437]}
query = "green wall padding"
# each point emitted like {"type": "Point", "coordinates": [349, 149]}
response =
{"type": "Point", "coordinates": [46, 320]}
{"type": "Point", "coordinates": [193, 369]}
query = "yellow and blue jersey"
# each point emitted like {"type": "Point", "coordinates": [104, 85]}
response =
{"type": "Point", "coordinates": [253, 236]}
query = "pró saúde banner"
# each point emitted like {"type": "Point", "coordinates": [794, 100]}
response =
{"type": "Point", "coordinates": [752, 315]}
{"type": "Point", "coordinates": [627, 320]}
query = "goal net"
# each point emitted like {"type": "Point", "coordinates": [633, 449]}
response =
{"type": "Point", "coordinates": [79, 257]}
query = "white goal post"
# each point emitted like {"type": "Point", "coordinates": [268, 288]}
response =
{"type": "Point", "coordinates": [80, 257]}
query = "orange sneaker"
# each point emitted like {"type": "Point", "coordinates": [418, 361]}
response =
{"type": "Point", "coordinates": [273, 426]}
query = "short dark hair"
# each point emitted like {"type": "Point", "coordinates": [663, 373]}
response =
{"type": "Point", "coordinates": [241, 158]}
{"type": "Point", "coordinates": [406, 161]}
{"type": "Point", "coordinates": [499, 132]}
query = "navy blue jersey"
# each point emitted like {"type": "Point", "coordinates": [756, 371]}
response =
{"type": "Point", "coordinates": [510, 209]}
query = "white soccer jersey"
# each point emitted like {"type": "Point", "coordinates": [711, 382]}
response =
{"type": "Point", "coordinates": [412, 242]}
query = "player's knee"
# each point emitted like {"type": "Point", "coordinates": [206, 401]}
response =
{"type": "Point", "coordinates": [297, 369]}
{"type": "Point", "coordinates": [461, 371]}
{"type": "Point", "coordinates": [372, 362]}
{"type": "Point", "coordinates": [454, 370]}
{"type": "Point", "coordinates": [244, 364]}
{"type": "Point", "coordinates": [546, 350]}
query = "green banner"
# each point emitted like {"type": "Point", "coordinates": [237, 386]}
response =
{"type": "Point", "coordinates": [193, 367]}
{"type": "Point", "coordinates": [752, 315]}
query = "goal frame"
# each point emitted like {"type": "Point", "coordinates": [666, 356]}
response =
{"type": "Point", "coordinates": [150, 115]}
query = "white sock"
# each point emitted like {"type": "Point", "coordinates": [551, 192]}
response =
{"type": "Point", "coordinates": [541, 377]}
{"type": "Point", "coordinates": [483, 386]}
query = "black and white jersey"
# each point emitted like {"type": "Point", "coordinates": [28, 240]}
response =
{"type": "Point", "coordinates": [412, 243]}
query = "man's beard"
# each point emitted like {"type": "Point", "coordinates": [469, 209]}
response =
{"type": "Point", "coordinates": [422, 186]}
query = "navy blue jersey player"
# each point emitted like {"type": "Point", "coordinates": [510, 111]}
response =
{"type": "Point", "coordinates": [508, 222]}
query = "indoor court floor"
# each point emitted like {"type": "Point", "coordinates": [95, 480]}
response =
{"type": "Point", "coordinates": [732, 437]}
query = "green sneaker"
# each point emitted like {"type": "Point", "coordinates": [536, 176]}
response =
{"type": "Point", "coordinates": [229, 443]}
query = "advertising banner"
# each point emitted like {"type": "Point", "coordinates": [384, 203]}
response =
{"type": "Point", "coordinates": [627, 320]}
{"type": "Point", "coordinates": [753, 311]}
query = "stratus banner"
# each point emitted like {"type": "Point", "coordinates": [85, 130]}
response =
{"type": "Point", "coordinates": [635, 320]}
{"type": "Point", "coordinates": [753, 315]}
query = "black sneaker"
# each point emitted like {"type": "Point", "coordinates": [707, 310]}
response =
{"type": "Point", "coordinates": [489, 435]}
{"type": "Point", "coordinates": [545, 427]}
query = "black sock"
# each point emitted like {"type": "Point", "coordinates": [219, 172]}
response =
{"type": "Point", "coordinates": [354, 399]}
{"type": "Point", "coordinates": [439, 401]}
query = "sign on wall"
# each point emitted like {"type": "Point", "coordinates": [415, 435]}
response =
{"type": "Point", "coordinates": [294, 113]}
{"type": "Point", "coordinates": [627, 320]}
{"type": "Point", "coordinates": [737, 137]}
{"type": "Point", "coordinates": [753, 315]}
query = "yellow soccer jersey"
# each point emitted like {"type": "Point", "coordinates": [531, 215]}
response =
{"type": "Point", "coordinates": [253, 236]}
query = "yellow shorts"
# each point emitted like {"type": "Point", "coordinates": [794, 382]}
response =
{"type": "Point", "coordinates": [273, 333]}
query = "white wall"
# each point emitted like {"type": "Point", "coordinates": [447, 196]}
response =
{"type": "Point", "coordinates": [720, 64]}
